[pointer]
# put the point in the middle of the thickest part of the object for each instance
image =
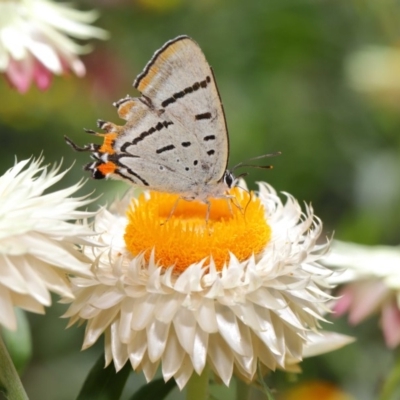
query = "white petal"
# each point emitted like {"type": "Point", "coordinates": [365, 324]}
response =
{"type": "Point", "coordinates": [7, 316]}
{"type": "Point", "coordinates": [118, 349]}
{"type": "Point", "coordinates": [173, 356]}
{"type": "Point", "coordinates": [294, 343]}
{"type": "Point", "coordinates": [247, 314]}
{"type": "Point", "coordinates": [27, 302]}
{"type": "Point", "coordinates": [185, 328]}
{"type": "Point", "coordinates": [268, 298]}
{"type": "Point", "coordinates": [143, 311]}
{"type": "Point", "coordinates": [229, 329]}
{"type": "Point", "coordinates": [36, 287]}
{"type": "Point", "coordinates": [157, 335]}
{"type": "Point", "coordinates": [199, 355]}
{"type": "Point", "coordinates": [184, 373]}
{"type": "Point", "coordinates": [105, 299]}
{"type": "Point", "coordinates": [325, 342]}
{"type": "Point", "coordinates": [137, 348]}
{"type": "Point", "coordinates": [205, 316]}
{"type": "Point", "coordinates": [125, 331]}
{"type": "Point", "coordinates": [264, 354]}
{"type": "Point", "coordinates": [11, 277]}
{"type": "Point", "coordinates": [149, 368]}
{"type": "Point", "coordinates": [46, 55]}
{"type": "Point", "coordinates": [167, 307]}
{"type": "Point", "coordinates": [221, 357]}
{"type": "Point", "coordinates": [97, 326]}
{"type": "Point", "coordinates": [246, 365]}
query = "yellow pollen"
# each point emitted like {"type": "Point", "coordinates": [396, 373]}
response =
{"type": "Point", "coordinates": [180, 235]}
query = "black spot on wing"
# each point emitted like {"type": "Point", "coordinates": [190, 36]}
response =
{"type": "Point", "coordinates": [165, 148]}
{"type": "Point", "coordinates": [209, 137]}
{"type": "Point", "coordinates": [206, 115]}
{"type": "Point", "coordinates": [210, 152]}
{"type": "Point", "coordinates": [186, 144]}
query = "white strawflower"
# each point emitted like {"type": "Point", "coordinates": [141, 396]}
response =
{"type": "Point", "coordinates": [35, 40]}
{"type": "Point", "coordinates": [37, 236]}
{"type": "Point", "coordinates": [179, 291]}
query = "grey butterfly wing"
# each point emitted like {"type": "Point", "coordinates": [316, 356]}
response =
{"type": "Point", "coordinates": [191, 145]}
{"type": "Point", "coordinates": [145, 154]}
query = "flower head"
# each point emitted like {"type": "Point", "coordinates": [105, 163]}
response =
{"type": "Point", "coordinates": [33, 41]}
{"type": "Point", "coordinates": [372, 285]}
{"type": "Point", "coordinates": [177, 289]}
{"type": "Point", "coordinates": [37, 248]}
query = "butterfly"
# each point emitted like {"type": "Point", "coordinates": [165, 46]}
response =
{"type": "Point", "coordinates": [175, 139]}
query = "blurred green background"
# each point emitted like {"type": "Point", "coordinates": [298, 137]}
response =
{"type": "Point", "coordinates": [317, 80]}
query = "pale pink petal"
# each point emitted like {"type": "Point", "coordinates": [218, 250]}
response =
{"type": "Point", "coordinates": [368, 296]}
{"type": "Point", "coordinates": [42, 76]}
{"type": "Point", "coordinates": [19, 74]}
{"type": "Point", "coordinates": [391, 324]}
{"type": "Point", "coordinates": [342, 305]}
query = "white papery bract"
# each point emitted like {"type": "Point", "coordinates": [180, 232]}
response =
{"type": "Point", "coordinates": [38, 233]}
{"type": "Point", "coordinates": [265, 308]}
{"type": "Point", "coordinates": [35, 40]}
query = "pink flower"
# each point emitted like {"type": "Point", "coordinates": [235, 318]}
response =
{"type": "Point", "coordinates": [372, 285]}
{"type": "Point", "coordinates": [34, 44]}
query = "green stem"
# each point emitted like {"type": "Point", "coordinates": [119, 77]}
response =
{"type": "Point", "coordinates": [391, 385]}
{"type": "Point", "coordinates": [242, 390]}
{"type": "Point", "coordinates": [10, 384]}
{"type": "Point", "coordinates": [197, 387]}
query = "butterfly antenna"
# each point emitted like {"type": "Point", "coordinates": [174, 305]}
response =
{"type": "Point", "coordinates": [245, 163]}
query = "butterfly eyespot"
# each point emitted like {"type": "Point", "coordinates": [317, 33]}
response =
{"type": "Point", "coordinates": [195, 162]}
{"type": "Point", "coordinates": [187, 169]}
{"type": "Point", "coordinates": [96, 174]}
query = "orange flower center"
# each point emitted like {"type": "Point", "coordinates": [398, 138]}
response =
{"type": "Point", "coordinates": [181, 235]}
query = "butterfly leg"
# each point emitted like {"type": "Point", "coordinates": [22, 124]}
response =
{"type": "Point", "coordinates": [87, 147]}
{"type": "Point", "coordinates": [171, 213]}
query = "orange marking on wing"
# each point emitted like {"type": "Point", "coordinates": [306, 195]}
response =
{"type": "Point", "coordinates": [107, 146]}
{"type": "Point", "coordinates": [148, 78]}
{"type": "Point", "coordinates": [124, 109]}
{"type": "Point", "coordinates": [127, 107]}
{"type": "Point", "coordinates": [107, 168]}
{"type": "Point", "coordinates": [157, 67]}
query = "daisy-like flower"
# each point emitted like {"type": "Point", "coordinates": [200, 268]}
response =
{"type": "Point", "coordinates": [37, 236]}
{"type": "Point", "coordinates": [371, 285]}
{"type": "Point", "coordinates": [177, 290]}
{"type": "Point", "coordinates": [34, 42]}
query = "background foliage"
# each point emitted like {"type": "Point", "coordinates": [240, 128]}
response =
{"type": "Point", "coordinates": [284, 70]}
